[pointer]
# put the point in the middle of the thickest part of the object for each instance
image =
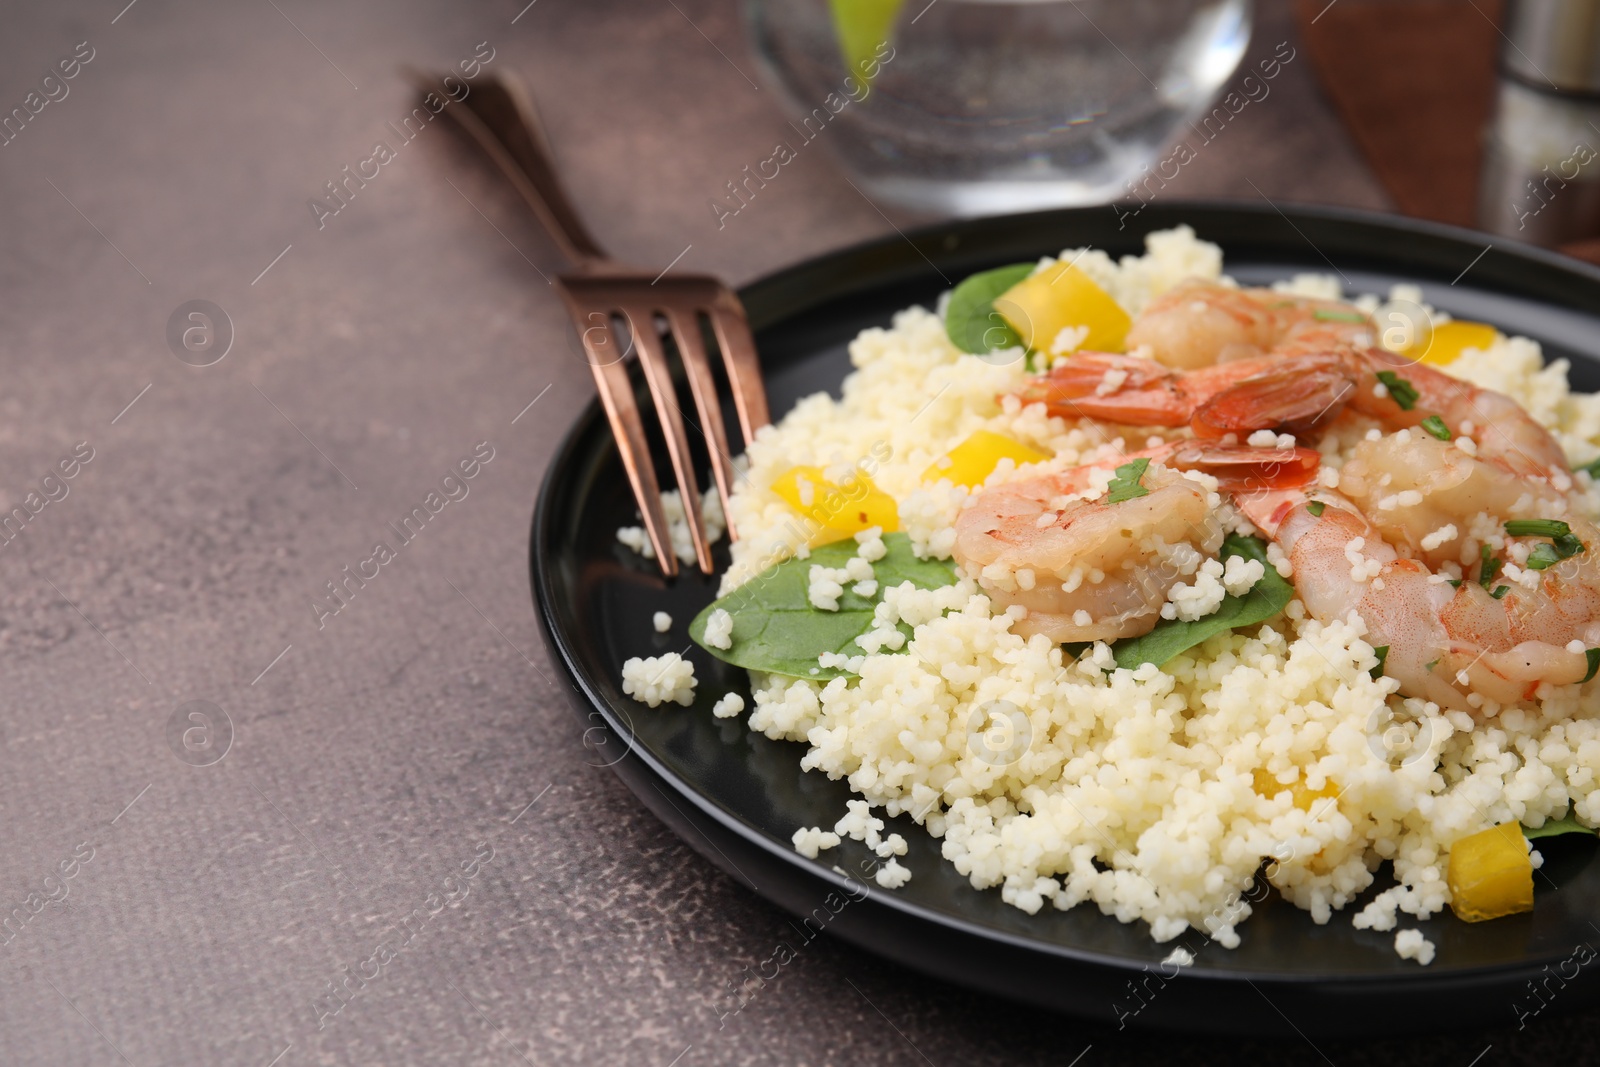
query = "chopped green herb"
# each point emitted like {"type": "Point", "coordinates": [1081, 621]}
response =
{"type": "Point", "coordinates": [1382, 652]}
{"type": "Point", "coordinates": [1549, 553]}
{"type": "Point", "coordinates": [1537, 528]}
{"type": "Point", "coordinates": [1455, 583]}
{"type": "Point", "coordinates": [1592, 469]}
{"type": "Point", "coordinates": [1435, 425]}
{"type": "Point", "coordinates": [1593, 656]}
{"type": "Point", "coordinates": [1562, 545]}
{"type": "Point", "coordinates": [1316, 507]}
{"type": "Point", "coordinates": [1404, 393]}
{"type": "Point", "coordinates": [1489, 569]}
{"type": "Point", "coordinates": [1334, 315]}
{"type": "Point", "coordinates": [1500, 591]}
{"type": "Point", "coordinates": [1431, 664]}
{"type": "Point", "coordinates": [1125, 486]}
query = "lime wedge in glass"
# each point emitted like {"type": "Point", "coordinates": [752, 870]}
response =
{"type": "Point", "coordinates": [861, 26]}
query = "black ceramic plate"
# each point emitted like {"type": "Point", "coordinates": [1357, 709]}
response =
{"type": "Point", "coordinates": [737, 797]}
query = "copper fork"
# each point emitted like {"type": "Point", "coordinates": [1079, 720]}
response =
{"type": "Point", "coordinates": [499, 114]}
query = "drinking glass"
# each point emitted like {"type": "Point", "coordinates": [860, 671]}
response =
{"type": "Point", "coordinates": [968, 107]}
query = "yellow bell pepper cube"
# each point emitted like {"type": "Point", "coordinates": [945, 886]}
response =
{"type": "Point", "coordinates": [1490, 874]}
{"type": "Point", "coordinates": [1267, 784]}
{"type": "Point", "coordinates": [1041, 305]}
{"type": "Point", "coordinates": [1449, 339]}
{"type": "Point", "coordinates": [972, 461]}
{"type": "Point", "coordinates": [836, 511]}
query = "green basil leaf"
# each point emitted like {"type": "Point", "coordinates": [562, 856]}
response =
{"type": "Point", "coordinates": [1265, 599]}
{"type": "Point", "coordinates": [1316, 507]}
{"type": "Point", "coordinates": [775, 628]}
{"type": "Point", "coordinates": [1593, 656]}
{"type": "Point", "coordinates": [1382, 652]}
{"type": "Point", "coordinates": [1435, 426]}
{"type": "Point", "coordinates": [1555, 827]}
{"type": "Point", "coordinates": [970, 320]}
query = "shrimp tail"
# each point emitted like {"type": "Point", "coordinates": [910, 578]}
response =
{"type": "Point", "coordinates": [1293, 394]}
{"type": "Point", "coordinates": [1102, 385]}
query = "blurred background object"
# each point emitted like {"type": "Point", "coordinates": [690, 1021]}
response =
{"type": "Point", "coordinates": [1541, 171]}
{"type": "Point", "coordinates": [968, 107]}
{"type": "Point", "coordinates": [1459, 106]}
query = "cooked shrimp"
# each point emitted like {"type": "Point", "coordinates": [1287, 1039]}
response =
{"type": "Point", "coordinates": [1423, 495]}
{"type": "Point", "coordinates": [1198, 324]}
{"type": "Point", "coordinates": [1404, 546]}
{"type": "Point", "coordinates": [1296, 394]}
{"type": "Point", "coordinates": [1087, 569]}
{"type": "Point", "coordinates": [1443, 642]}
{"type": "Point", "coordinates": [1300, 393]}
{"type": "Point", "coordinates": [1501, 427]}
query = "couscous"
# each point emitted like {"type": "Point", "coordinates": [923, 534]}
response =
{"type": "Point", "coordinates": [1132, 626]}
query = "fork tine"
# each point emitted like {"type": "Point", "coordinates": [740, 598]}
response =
{"type": "Point", "coordinates": [691, 347]}
{"type": "Point", "coordinates": [739, 356]}
{"type": "Point", "coordinates": [616, 396]}
{"type": "Point", "coordinates": [653, 358]}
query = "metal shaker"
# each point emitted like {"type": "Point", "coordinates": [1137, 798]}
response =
{"type": "Point", "coordinates": [1541, 164]}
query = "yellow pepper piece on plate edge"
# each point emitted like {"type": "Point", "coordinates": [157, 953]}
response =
{"type": "Point", "coordinates": [1490, 874]}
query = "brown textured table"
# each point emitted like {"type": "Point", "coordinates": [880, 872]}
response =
{"type": "Point", "coordinates": [212, 905]}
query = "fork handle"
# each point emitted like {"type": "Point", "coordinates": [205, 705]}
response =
{"type": "Point", "coordinates": [500, 115]}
